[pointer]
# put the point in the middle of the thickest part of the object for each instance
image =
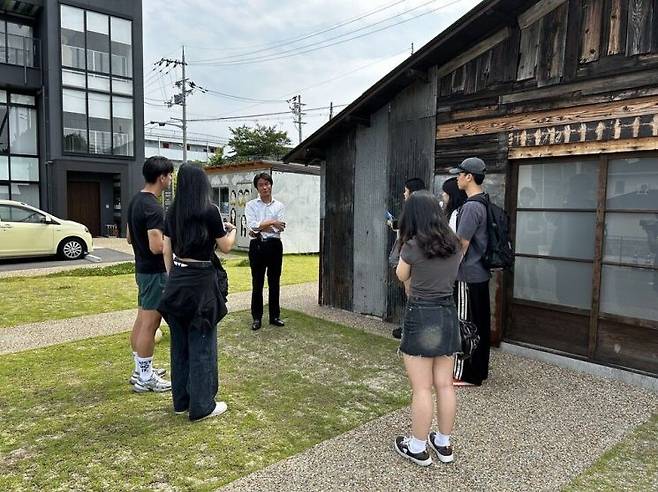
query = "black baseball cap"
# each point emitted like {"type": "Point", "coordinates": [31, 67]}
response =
{"type": "Point", "coordinates": [471, 165]}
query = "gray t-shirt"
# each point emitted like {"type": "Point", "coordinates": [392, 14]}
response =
{"type": "Point", "coordinates": [472, 226]}
{"type": "Point", "coordinates": [430, 277]}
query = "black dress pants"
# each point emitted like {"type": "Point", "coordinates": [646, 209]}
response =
{"type": "Point", "coordinates": [473, 305]}
{"type": "Point", "coordinates": [265, 255]}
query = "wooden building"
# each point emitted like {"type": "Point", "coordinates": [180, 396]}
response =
{"type": "Point", "coordinates": [560, 98]}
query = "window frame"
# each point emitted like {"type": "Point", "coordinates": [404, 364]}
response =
{"type": "Point", "coordinates": [594, 311]}
{"type": "Point", "coordinates": [86, 88]}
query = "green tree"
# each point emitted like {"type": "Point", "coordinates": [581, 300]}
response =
{"type": "Point", "coordinates": [217, 158]}
{"type": "Point", "coordinates": [258, 143]}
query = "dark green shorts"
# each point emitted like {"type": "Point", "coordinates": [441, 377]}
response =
{"type": "Point", "coordinates": [149, 289]}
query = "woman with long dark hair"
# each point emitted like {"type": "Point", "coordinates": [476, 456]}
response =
{"type": "Point", "coordinates": [453, 199]}
{"type": "Point", "coordinates": [193, 302]}
{"type": "Point", "coordinates": [429, 260]}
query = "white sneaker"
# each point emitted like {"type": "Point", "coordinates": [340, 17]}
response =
{"type": "Point", "coordinates": [220, 408]}
{"type": "Point", "coordinates": [155, 384]}
{"type": "Point", "coordinates": [134, 377]}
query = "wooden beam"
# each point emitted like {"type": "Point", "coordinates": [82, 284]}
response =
{"type": "Point", "coordinates": [618, 82]}
{"type": "Point", "coordinates": [585, 148]}
{"type": "Point", "coordinates": [474, 52]}
{"type": "Point", "coordinates": [591, 31]}
{"type": "Point", "coordinates": [537, 11]}
{"type": "Point", "coordinates": [540, 119]}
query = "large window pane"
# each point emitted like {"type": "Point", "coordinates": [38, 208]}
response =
{"type": "Point", "coordinates": [24, 168]}
{"type": "Point", "coordinates": [122, 113]}
{"type": "Point", "coordinates": [75, 121]}
{"type": "Point", "coordinates": [4, 192]}
{"type": "Point", "coordinates": [631, 292]}
{"type": "Point", "coordinates": [100, 141]}
{"type": "Point", "coordinates": [4, 129]}
{"type": "Point", "coordinates": [122, 86]}
{"type": "Point", "coordinates": [98, 82]}
{"type": "Point", "coordinates": [26, 193]}
{"type": "Point", "coordinates": [4, 167]}
{"type": "Point", "coordinates": [565, 283]}
{"type": "Point", "coordinates": [22, 130]}
{"type": "Point", "coordinates": [19, 45]}
{"type": "Point", "coordinates": [631, 238]}
{"type": "Point", "coordinates": [563, 234]}
{"type": "Point", "coordinates": [73, 37]}
{"type": "Point", "coordinates": [98, 42]}
{"type": "Point", "coordinates": [633, 184]}
{"type": "Point", "coordinates": [561, 185]}
{"type": "Point", "coordinates": [122, 47]}
{"type": "Point", "coordinates": [72, 78]}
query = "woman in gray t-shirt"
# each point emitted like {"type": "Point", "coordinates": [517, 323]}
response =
{"type": "Point", "coordinates": [429, 260]}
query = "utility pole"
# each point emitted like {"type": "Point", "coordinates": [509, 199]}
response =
{"type": "Point", "coordinates": [412, 48]}
{"type": "Point", "coordinates": [331, 109]}
{"type": "Point", "coordinates": [296, 108]}
{"type": "Point", "coordinates": [183, 98]}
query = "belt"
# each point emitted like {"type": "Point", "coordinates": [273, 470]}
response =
{"type": "Point", "coordinates": [193, 264]}
{"type": "Point", "coordinates": [266, 239]}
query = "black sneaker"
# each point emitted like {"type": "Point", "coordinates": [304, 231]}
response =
{"type": "Point", "coordinates": [397, 332]}
{"type": "Point", "coordinates": [444, 453]}
{"type": "Point", "coordinates": [402, 448]}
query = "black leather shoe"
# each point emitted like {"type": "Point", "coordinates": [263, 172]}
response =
{"type": "Point", "coordinates": [255, 325]}
{"type": "Point", "coordinates": [277, 322]}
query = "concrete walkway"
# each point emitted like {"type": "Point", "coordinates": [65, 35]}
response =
{"type": "Point", "coordinates": [532, 426]}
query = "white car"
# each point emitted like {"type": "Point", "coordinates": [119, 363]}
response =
{"type": "Point", "coordinates": [27, 231]}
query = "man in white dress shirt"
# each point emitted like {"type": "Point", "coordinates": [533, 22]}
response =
{"type": "Point", "coordinates": [265, 221]}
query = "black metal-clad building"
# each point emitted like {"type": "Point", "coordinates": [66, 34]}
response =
{"type": "Point", "coordinates": [71, 104]}
{"type": "Point", "coordinates": [559, 97]}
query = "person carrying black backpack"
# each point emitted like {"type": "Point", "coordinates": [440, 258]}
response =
{"type": "Point", "coordinates": [473, 276]}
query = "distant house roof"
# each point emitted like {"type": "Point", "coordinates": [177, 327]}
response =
{"type": "Point", "coordinates": [291, 167]}
{"type": "Point", "coordinates": [483, 20]}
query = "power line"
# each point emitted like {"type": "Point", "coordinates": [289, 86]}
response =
{"type": "Point", "coordinates": [306, 36]}
{"type": "Point", "coordinates": [248, 116]}
{"type": "Point", "coordinates": [315, 46]}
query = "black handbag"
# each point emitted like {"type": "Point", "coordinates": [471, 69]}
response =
{"type": "Point", "coordinates": [470, 338]}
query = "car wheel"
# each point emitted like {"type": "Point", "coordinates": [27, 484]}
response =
{"type": "Point", "coordinates": [71, 249]}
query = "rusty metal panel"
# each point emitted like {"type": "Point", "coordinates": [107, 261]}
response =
{"type": "Point", "coordinates": [338, 225]}
{"type": "Point", "coordinates": [412, 123]}
{"type": "Point", "coordinates": [371, 234]}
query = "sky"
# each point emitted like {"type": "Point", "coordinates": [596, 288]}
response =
{"type": "Point", "coordinates": [251, 56]}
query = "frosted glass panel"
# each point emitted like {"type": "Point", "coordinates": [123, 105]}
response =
{"type": "Point", "coordinates": [631, 292]}
{"type": "Point", "coordinates": [24, 168]}
{"type": "Point", "coordinates": [631, 238]}
{"type": "Point", "coordinates": [22, 130]}
{"type": "Point", "coordinates": [565, 283]}
{"type": "Point", "coordinates": [633, 184]}
{"type": "Point", "coordinates": [563, 234]}
{"type": "Point", "coordinates": [4, 167]}
{"type": "Point", "coordinates": [4, 192]}
{"type": "Point", "coordinates": [74, 79]}
{"type": "Point", "coordinates": [563, 185]}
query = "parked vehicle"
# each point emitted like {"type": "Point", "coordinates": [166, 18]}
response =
{"type": "Point", "coordinates": [27, 231]}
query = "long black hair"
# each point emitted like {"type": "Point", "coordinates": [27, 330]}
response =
{"type": "Point", "coordinates": [456, 197]}
{"type": "Point", "coordinates": [191, 202]}
{"type": "Point", "coordinates": [423, 220]}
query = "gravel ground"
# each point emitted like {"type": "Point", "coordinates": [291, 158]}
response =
{"type": "Point", "coordinates": [532, 426]}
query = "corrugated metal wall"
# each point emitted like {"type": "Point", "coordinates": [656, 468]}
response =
{"type": "Point", "coordinates": [338, 232]}
{"type": "Point", "coordinates": [412, 129]}
{"type": "Point", "coordinates": [371, 235]}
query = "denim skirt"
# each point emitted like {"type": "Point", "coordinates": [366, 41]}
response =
{"type": "Point", "coordinates": [430, 327]}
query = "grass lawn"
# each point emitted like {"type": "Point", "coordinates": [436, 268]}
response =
{"type": "Point", "coordinates": [630, 465]}
{"type": "Point", "coordinates": [78, 424]}
{"type": "Point", "coordinates": [89, 291]}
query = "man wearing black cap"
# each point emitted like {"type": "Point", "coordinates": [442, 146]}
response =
{"type": "Point", "coordinates": [473, 303]}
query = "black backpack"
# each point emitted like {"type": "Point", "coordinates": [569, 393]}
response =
{"type": "Point", "coordinates": [499, 254]}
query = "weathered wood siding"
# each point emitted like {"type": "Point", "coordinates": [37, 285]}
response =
{"type": "Point", "coordinates": [338, 230]}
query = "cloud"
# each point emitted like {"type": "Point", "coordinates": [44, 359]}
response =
{"type": "Point", "coordinates": [239, 30]}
